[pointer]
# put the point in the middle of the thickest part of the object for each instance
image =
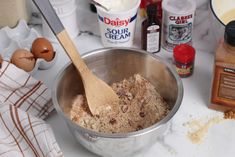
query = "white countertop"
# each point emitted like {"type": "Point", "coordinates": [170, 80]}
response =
{"type": "Point", "coordinates": [220, 139]}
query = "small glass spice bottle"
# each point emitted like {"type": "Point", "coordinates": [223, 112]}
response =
{"type": "Point", "coordinates": [184, 56]}
{"type": "Point", "coordinates": [151, 31]}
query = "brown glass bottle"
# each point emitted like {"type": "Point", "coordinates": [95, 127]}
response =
{"type": "Point", "coordinates": [151, 31]}
{"type": "Point", "coordinates": [223, 85]}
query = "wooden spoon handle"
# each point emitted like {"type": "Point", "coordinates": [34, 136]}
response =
{"type": "Point", "coordinates": [72, 51]}
{"type": "Point", "coordinates": [58, 29]}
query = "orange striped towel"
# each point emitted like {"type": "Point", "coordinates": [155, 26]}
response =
{"type": "Point", "coordinates": [24, 102]}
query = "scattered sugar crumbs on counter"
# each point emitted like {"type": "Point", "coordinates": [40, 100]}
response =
{"type": "Point", "coordinates": [229, 115]}
{"type": "Point", "coordinates": [199, 128]}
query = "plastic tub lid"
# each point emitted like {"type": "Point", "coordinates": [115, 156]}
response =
{"type": "Point", "coordinates": [184, 53]}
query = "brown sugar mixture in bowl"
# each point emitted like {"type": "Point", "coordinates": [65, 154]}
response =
{"type": "Point", "coordinates": [140, 106]}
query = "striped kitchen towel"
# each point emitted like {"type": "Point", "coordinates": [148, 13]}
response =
{"type": "Point", "coordinates": [24, 102]}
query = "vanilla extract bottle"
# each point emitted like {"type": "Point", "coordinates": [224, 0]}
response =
{"type": "Point", "coordinates": [151, 31]}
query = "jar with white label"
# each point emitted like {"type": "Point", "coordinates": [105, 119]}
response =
{"type": "Point", "coordinates": [151, 31]}
{"type": "Point", "coordinates": [178, 18]}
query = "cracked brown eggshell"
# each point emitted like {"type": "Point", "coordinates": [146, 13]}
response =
{"type": "Point", "coordinates": [23, 59]}
{"type": "Point", "coordinates": [42, 48]}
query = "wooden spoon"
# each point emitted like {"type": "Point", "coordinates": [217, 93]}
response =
{"type": "Point", "coordinates": [99, 95]}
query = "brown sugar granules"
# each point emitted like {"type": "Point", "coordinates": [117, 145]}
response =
{"type": "Point", "coordinates": [140, 106]}
{"type": "Point", "coordinates": [199, 128]}
{"type": "Point", "coordinates": [229, 115]}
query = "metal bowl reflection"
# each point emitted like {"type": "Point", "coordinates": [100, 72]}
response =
{"type": "Point", "coordinates": [114, 65]}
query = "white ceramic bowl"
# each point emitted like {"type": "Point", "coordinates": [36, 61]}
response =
{"type": "Point", "coordinates": [217, 9]}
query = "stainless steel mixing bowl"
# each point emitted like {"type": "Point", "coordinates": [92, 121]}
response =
{"type": "Point", "coordinates": [114, 65]}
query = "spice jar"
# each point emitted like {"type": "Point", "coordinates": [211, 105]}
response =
{"type": "Point", "coordinates": [223, 80]}
{"type": "Point", "coordinates": [177, 24]}
{"type": "Point", "coordinates": [184, 56]}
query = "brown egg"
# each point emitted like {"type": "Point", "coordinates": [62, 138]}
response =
{"type": "Point", "coordinates": [23, 59]}
{"type": "Point", "coordinates": [1, 60]}
{"type": "Point", "coordinates": [42, 48]}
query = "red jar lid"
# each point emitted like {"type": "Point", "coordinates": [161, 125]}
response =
{"type": "Point", "coordinates": [184, 53]}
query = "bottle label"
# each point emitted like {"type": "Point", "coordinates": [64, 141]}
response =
{"type": "Point", "coordinates": [117, 31]}
{"type": "Point", "coordinates": [177, 30]}
{"type": "Point", "coordinates": [153, 36]}
{"type": "Point", "coordinates": [223, 87]}
{"type": "Point", "coordinates": [227, 84]}
{"type": "Point", "coordinates": [184, 70]}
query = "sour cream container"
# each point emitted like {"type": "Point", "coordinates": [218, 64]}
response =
{"type": "Point", "coordinates": [117, 26]}
{"type": "Point", "coordinates": [178, 18]}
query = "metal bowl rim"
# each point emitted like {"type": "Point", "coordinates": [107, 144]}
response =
{"type": "Point", "coordinates": [120, 135]}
